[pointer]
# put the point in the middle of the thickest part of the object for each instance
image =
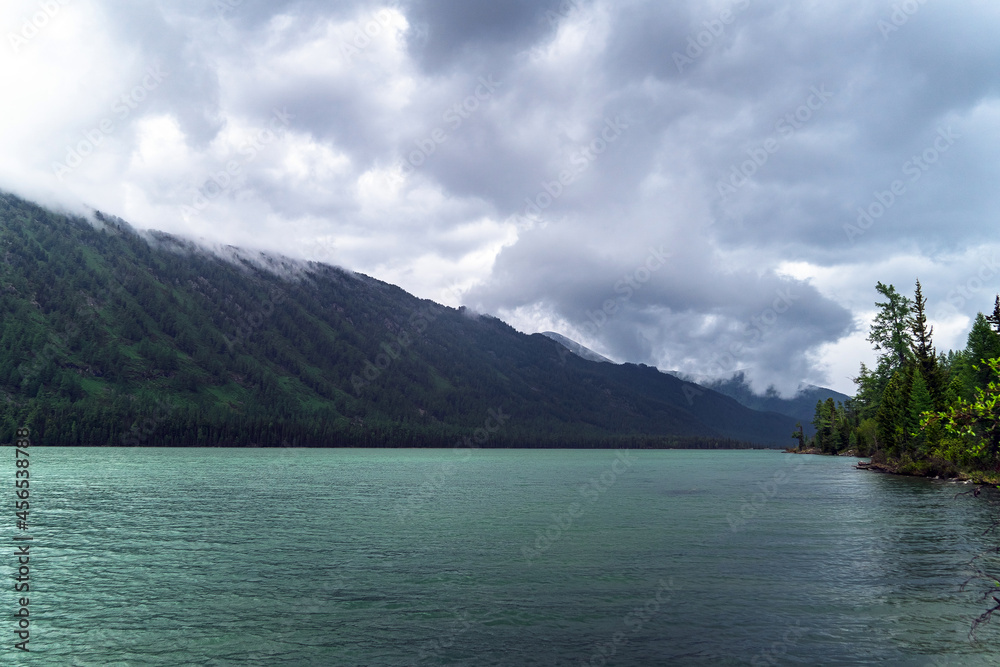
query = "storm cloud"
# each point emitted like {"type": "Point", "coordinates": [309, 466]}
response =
{"type": "Point", "coordinates": [699, 186]}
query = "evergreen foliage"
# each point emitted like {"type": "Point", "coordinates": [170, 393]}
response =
{"type": "Point", "coordinates": [113, 337]}
{"type": "Point", "coordinates": [920, 411]}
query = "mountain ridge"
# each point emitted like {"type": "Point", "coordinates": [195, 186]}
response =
{"type": "Point", "coordinates": [104, 326]}
{"type": "Point", "coordinates": [577, 348]}
{"type": "Point", "coordinates": [800, 406]}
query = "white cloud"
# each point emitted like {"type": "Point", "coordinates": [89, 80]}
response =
{"type": "Point", "coordinates": [366, 84]}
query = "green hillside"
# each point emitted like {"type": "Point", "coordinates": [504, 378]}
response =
{"type": "Point", "coordinates": [114, 337]}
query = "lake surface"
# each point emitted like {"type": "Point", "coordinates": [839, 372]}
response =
{"type": "Point", "coordinates": [493, 557]}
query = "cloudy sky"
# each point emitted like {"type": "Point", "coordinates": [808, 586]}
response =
{"type": "Point", "coordinates": [700, 186]}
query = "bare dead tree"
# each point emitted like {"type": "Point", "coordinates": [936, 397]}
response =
{"type": "Point", "coordinates": [982, 574]}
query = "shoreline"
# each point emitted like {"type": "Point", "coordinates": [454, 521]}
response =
{"type": "Point", "coordinates": [978, 477]}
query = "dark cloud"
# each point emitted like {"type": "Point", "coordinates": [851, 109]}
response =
{"type": "Point", "coordinates": [742, 139]}
{"type": "Point", "coordinates": [446, 34]}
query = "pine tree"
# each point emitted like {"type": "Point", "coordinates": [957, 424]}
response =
{"type": "Point", "coordinates": [819, 423]}
{"type": "Point", "coordinates": [920, 402]}
{"type": "Point", "coordinates": [923, 350]}
{"type": "Point", "coordinates": [870, 387]}
{"type": "Point", "coordinates": [994, 319]}
{"type": "Point", "coordinates": [893, 418]}
{"type": "Point", "coordinates": [833, 426]}
{"type": "Point", "coordinates": [982, 344]}
{"type": "Point", "coordinates": [799, 435]}
{"type": "Point", "coordinates": [890, 331]}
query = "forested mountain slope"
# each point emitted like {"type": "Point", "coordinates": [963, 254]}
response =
{"type": "Point", "coordinates": [114, 337]}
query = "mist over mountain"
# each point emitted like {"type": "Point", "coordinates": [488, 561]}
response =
{"type": "Point", "coordinates": [113, 336]}
{"type": "Point", "coordinates": [576, 348]}
{"type": "Point", "coordinates": [801, 406]}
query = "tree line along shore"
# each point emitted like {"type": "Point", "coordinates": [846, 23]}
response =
{"type": "Point", "coordinates": [919, 411]}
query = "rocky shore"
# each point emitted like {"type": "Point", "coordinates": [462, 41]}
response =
{"type": "Point", "coordinates": [931, 469]}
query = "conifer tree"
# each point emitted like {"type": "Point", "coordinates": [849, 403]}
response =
{"type": "Point", "coordinates": [799, 435]}
{"type": "Point", "coordinates": [890, 332]}
{"type": "Point", "coordinates": [920, 402]}
{"type": "Point", "coordinates": [923, 351]}
{"type": "Point", "coordinates": [833, 430]}
{"type": "Point", "coordinates": [820, 423]}
{"type": "Point", "coordinates": [893, 416]}
{"type": "Point", "coordinates": [869, 391]}
{"type": "Point", "coordinates": [982, 344]}
{"type": "Point", "coordinates": [890, 335]}
{"type": "Point", "coordinates": [994, 319]}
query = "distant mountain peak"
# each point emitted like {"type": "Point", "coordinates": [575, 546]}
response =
{"type": "Point", "coordinates": [800, 406]}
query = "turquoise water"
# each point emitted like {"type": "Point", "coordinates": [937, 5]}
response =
{"type": "Point", "coordinates": [492, 557]}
